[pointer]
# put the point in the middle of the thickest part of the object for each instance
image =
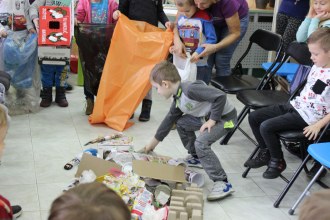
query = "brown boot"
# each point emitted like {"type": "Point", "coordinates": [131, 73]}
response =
{"type": "Point", "coordinates": [60, 98]}
{"type": "Point", "coordinates": [46, 97]}
{"type": "Point", "coordinates": [90, 106]}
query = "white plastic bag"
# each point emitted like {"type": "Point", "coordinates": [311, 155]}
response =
{"type": "Point", "coordinates": [187, 69]}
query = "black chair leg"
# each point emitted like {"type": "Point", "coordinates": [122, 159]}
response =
{"type": "Point", "coordinates": [292, 180]}
{"type": "Point", "coordinates": [247, 170]}
{"type": "Point", "coordinates": [240, 118]}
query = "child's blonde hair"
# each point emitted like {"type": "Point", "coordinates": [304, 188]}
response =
{"type": "Point", "coordinates": [181, 3]}
{"type": "Point", "coordinates": [89, 201]}
{"type": "Point", "coordinates": [321, 36]}
{"type": "Point", "coordinates": [164, 71]}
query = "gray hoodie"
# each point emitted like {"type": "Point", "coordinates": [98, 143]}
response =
{"type": "Point", "coordinates": [196, 99]}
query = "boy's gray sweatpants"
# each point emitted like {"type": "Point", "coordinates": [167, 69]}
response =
{"type": "Point", "coordinates": [201, 146]}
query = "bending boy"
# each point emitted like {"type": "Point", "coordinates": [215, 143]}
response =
{"type": "Point", "coordinates": [196, 106]}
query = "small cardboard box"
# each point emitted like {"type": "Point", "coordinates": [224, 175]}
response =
{"type": "Point", "coordinates": [142, 168]}
{"type": "Point", "coordinates": [54, 55]}
{"type": "Point", "coordinates": [54, 26]}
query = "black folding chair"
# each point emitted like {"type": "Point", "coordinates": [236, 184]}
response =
{"type": "Point", "coordinates": [255, 99]}
{"type": "Point", "coordinates": [324, 136]}
{"type": "Point", "coordinates": [267, 41]}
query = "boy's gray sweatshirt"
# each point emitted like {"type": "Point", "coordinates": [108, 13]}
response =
{"type": "Point", "coordinates": [196, 99]}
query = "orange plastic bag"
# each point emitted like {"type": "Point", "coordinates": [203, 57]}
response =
{"type": "Point", "coordinates": [135, 48]}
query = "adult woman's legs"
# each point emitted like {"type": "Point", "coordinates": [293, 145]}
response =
{"type": "Point", "coordinates": [221, 59]}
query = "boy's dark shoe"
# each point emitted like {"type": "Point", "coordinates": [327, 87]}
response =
{"type": "Point", "coordinates": [275, 168]}
{"type": "Point", "coordinates": [315, 168]}
{"type": "Point", "coordinates": [17, 211]}
{"type": "Point", "coordinates": [145, 111]}
{"type": "Point", "coordinates": [60, 98]}
{"type": "Point", "coordinates": [262, 159]}
{"type": "Point", "coordinates": [46, 97]}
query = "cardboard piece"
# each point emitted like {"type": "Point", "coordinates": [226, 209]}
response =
{"type": "Point", "coordinates": [142, 168]}
{"type": "Point", "coordinates": [159, 171]}
{"type": "Point", "coordinates": [55, 33]}
{"type": "Point", "coordinates": [54, 55]}
{"type": "Point", "coordinates": [54, 26]}
{"type": "Point", "coordinates": [97, 165]}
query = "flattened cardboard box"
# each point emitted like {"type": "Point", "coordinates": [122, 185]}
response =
{"type": "Point", "coordinates": [142, 168]}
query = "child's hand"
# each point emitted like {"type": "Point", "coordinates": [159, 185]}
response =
{"type": "Point", "coordinates": [32, 31]}
{"type": "Point", "coordinates": [169, 25]}
{"type": "Point", "coordinates": [209, 124]}
{"type": "Point", "coordinates": [208, 50]}
{"type": "Point", "coordinates": [194, 57]}
{"type": "Point", "coordinates": [116, 15]}
{"type": "Point", "coordinates": [312, 131]}
{"type": "Point", "coordinates": [323, 16]}
{"type": "Point", "coordinates": [36, 24]}
{"type": "Point", "coordinates": [311, 12]}
{"type": "Point", "coordinates": [179, 49]}
{"type": "Point", "coordinates": [147, 149]}
{"type": "Point", "coordinates": [3, 33]}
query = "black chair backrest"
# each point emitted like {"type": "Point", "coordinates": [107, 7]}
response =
{"type": "Point", "coordinates": [299, 52]}
{"type": "Point", "coordinates": [267, 40]}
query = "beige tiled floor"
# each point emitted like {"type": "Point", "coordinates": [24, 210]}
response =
{"type": "Point", "coordinates": [38, 145]}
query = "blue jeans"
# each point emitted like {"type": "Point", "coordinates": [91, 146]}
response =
{"type": "Point", "coordinates": [51, 74]}
{"type": "Point", "coordinates": [221, 59]}
{"type": "Point", "coordinates": [204, 73]}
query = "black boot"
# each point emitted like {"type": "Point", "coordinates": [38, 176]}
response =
{"type": "Point", "coordinates": [275, 168]}
{"type": "Point", "coordinates": [46, 97]}
{"type": "Point", "coordinates": [260, 160]}
{"type": "Point", "coordinates": [60, 98]}
{"type": "Point", "coordinates": [145, 111]}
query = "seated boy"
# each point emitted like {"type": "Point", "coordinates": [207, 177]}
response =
{"type": "Point", "coordinates": [196, 107]}
{"type": "Point", "coordinates": [309, 111]}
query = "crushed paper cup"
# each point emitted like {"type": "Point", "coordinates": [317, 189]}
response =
{"type": "Point", "coordinates": [194, 177]}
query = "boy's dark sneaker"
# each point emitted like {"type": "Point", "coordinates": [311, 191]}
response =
{"type": "Point", "coordinates": [275, 168]}
{"type": "Point", "coordinates": [262, 159]}
{"type": "Point", "coordinates": [17, 211]}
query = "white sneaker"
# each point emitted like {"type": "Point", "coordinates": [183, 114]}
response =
{"type": "Point", "coordinates": [220, 190]}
